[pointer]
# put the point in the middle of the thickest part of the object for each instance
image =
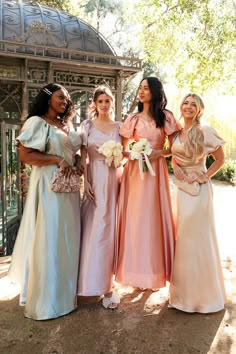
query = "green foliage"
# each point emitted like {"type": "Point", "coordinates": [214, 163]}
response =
{"type": "Point", "coordinates": [64, 5]}
{"type": "Point", "coordinates": [227, 129]}
{"type": "Point", "coordinates": [227, 171]}
{"type": "Point", "coordinates": [186, 42]}
{"type": "Point", "coordinates": [193, 40]}
{"type": "Point", "coordinates": [169, 166]}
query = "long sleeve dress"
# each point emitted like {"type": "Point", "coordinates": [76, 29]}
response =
{"type": "Point", "coordinates": [98, 217]}
{"type": "Point", "coordinates": [45, 257]}
{"type": "Point", "coordinates": [197, 282]}
{"type": "Point", "coordinates": [145, 228]}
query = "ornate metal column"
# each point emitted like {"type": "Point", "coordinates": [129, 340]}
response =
{"type": "Point", "coordinates": [119, 96]}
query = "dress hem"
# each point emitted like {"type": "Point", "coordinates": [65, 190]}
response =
{"type": "Point", "coordinates": [180, 308]}
{"type": "Point", "coordinates": [50, 318]}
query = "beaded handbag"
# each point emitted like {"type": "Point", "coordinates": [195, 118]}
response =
{"type": "Point", "coordinates": [62, 183]}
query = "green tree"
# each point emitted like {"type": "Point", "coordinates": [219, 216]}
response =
{"type": "Point", "coordinates": [64, 5]}
{"type": "Point", "coordinates": [98, 10]}
{"type": "Point", "coordinates": [193, 41]}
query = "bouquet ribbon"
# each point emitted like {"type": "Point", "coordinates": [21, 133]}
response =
{"type": "Point", "coordinates": [141, 165]}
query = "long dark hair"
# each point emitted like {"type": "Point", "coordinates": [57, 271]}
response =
{"type": "Point", "coordinates": [158, 102]}
{"type": "Point", "coordinates": [42, 100]}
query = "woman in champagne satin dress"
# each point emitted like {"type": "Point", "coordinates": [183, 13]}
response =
{"type": "Point", "coordinates": [45, 257]}
{"type": "Point", "coordinates": [145, 230]}
{"type": "Point", "coordinates": [197, 281]}
{"type": "Point", "coordinates": [99, 204]}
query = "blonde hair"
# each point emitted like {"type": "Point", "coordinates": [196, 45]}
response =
{"type": "Point", "coordinates": [194, 143]}
{"type": "Point", "coordinates": [100, 90]}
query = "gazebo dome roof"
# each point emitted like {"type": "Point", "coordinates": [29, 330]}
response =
{"type": "Point", "coordinates": [29, 22]}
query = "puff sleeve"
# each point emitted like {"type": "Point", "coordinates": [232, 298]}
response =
{"type": "Point", "coordinates": [212, 140]}
{"type": "Point", "coordinates": [84, 131]}
{"type": "Point", "coordinates": [127, 128]}
{"type": "Point", "coordinates": [34, 133]}
{"type": "Point", "coordinates": [171, 124]}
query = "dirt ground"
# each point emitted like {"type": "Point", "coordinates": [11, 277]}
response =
{"type": "Point", "coordinates": [143, 324]}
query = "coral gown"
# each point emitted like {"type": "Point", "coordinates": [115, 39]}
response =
{"type": "Point", "coordinates": [197, 282]}
{"type": "Point", "coordinates": [145, 230]}
{"type": "Point", "coordinates": [45, 257]}
{"type": "Point", "coordinates": [98, 217]}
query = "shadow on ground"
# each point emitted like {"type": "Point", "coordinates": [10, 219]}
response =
{"type": "Point", "coordinates": [142, 324]}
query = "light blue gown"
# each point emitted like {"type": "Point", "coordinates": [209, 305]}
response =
{"type": "Point", "coordinates": [46, 253]}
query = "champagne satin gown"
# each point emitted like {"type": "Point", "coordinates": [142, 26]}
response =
{"type": "Point", "coordinates": [197, 283]}
{"type": "Point", "coordinates": [145, 228]}
{"type": "Point", "coordinates": [98, 217]}
{"type": "Point", "coordinates": [46, 254]}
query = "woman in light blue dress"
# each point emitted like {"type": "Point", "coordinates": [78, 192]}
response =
{"type": "Point", "coordinates": [45, 257]}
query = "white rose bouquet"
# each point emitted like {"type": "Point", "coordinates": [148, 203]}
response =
{"type": "Point", "coordinates": [112, 152]}
{"type": "Point", "coordinates": [140, 151]}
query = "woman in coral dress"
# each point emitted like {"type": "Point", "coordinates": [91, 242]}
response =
{"type": "Point", "coordinates": [145, 233]}
{"type": "Point", "coordinates": [197, 282]}
{"type": "Point", "coordinates": [45, 257]}
{"type": "Point", "coordinates": [99, 204]}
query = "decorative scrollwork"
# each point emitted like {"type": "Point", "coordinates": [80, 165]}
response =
{"type": "Point", "coordinates": [39, 33]}
{"type": "Point", "coordinates": [80, 79]}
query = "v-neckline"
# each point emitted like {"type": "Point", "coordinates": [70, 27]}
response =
{"type": "Point", "coordinates": [107, 134]}
{"type": "Point", "coordinates": [181, 142]}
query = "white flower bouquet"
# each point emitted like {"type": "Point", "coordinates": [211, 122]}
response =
{"type": "Point", "coordinates": [112, 152]}
{"type": "Point", "coordinates": [140, 151]}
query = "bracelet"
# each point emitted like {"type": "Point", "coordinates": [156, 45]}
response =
{"type": "Point", "coordinates": [61, 162]}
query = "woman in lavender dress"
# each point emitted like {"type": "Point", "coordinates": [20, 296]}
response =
{"type": "Point", "coordinates": [99, 203]}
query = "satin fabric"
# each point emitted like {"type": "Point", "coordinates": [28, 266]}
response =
{"type": "Point", "coordinates": [145, 229]}
{"type": "Point", "coordinates": [46, 253]}
{"type": "Point", "coordinates": [98, 217]}
{"type": "Point", "coordinates": [197, 283]}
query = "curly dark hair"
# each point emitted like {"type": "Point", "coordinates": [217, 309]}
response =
{"type": "Point", "coordinates": [41, 101]}
{"type": "Point", "coordinates": [158, 102]}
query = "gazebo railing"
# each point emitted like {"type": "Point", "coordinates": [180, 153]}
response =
{"type": "Point", "coordinates": [57, 54]}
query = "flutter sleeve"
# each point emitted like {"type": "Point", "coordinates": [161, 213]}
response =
{"type": "Point", "coordinates": [127, 128]}
{"type": "Point", "coordinates": [34, 133]}
{"type": "Point", "coordinates": [212, 140]}
{"type": "Point", "coordinates": [84, 131]}
{"type": "Point", "coordinates": [171, 124]}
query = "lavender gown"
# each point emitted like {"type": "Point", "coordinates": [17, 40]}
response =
{"type": "Point", "coordinates": [99, 216]}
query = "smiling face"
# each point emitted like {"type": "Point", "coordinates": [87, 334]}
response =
{"type": "Point", "coordinates": [189, 109]}
{"type": "Point", "coordinates": [59, 101]}
{"type": "Point", "coordinates": [144, 92]}
{"type": "Point", "coordinates": [103, 104]}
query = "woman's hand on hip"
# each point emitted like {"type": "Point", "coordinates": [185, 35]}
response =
{"type": "Point", "coordinates": [203, 178]}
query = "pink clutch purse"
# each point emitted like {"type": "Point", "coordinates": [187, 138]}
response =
{"type": "Point", "coordinates": [190, 188]}
{"type": "Point", "coordinates": [65, 184]}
